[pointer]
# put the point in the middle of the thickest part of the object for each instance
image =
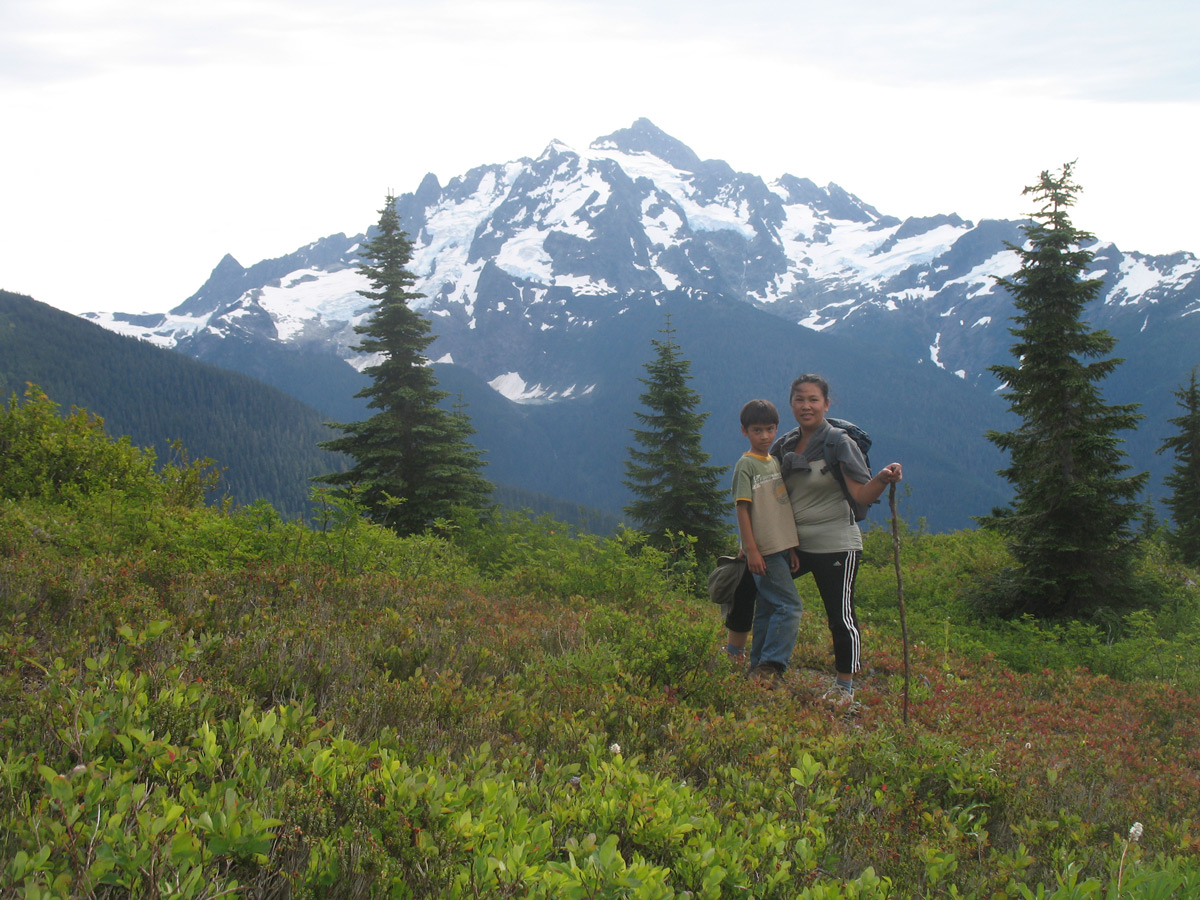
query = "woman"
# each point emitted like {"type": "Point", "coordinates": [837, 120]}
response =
{"type": "Point", "coordinates": [830, 541]}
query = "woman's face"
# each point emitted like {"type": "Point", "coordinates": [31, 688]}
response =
{"type": "Point", "coordinates": [809, 405]}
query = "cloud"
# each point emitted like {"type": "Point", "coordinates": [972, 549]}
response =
{"type": "Point", "coordinates": [178, 132]}
{"type": "Point", "coordinates": [1098, 50]}
{"type": "Point", "coordinates": [1086, 49]}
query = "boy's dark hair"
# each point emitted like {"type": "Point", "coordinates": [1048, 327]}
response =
{"type": "Point", "coordinates": [759, 412]}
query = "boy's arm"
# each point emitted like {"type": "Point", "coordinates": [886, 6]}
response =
{"type": "Point", "coordinates": [754, 559]}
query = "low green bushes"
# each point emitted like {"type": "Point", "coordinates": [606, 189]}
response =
{"type": "Point", "coordinates": [939, 573]}
{"type": "Point", "coordinates": [214, 702]}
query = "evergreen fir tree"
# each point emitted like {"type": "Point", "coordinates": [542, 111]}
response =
{"type": "Point", "coordinates": [676, 490]}
{"type": "Point", "coordinates": [412, 461]}
{"type": "Point", "coordinates": [1184, 478]}
{"type": "Point", "coordinates": [1070, 524]}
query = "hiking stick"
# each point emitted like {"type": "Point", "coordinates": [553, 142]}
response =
{"type": "Point", "coordinates": [899, 589]}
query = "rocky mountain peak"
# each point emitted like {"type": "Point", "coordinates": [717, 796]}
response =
{"type": "Point", "coordinates": [646, 137]}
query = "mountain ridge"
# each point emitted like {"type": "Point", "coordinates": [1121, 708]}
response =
{"type": "Point", "coordinates": [521, 262]}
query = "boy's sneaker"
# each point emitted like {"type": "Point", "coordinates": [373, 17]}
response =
{"type": "Point", "coordinates": [842, 699]}
{"type": "Point", "coordinates": [768, 673]}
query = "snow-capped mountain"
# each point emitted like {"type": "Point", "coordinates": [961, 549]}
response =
{"type": "Point", "coordinates": [528, 266]}
{"type": "Point", "coordinates": [506, 252]}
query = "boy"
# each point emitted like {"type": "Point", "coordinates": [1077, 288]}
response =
{"type": "Point", "coordinates": [768, 535]}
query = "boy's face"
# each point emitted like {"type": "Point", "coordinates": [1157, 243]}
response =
{"type": "Point", "coordinates": [761, 437]}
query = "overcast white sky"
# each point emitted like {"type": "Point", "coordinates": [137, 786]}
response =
{"type": "Point", "coordinates": [141, 140]}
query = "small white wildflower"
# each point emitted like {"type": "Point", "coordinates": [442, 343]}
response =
{"type": "Point", "coordinates": [615, 749]}
{"type": "Point", "coordinates": [1135, 832]}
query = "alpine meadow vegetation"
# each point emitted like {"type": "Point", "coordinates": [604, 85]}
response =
{"type": "Point", "coordinates": [212, 701]}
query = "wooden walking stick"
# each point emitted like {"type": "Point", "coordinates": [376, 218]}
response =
{"type": "Point", "coordinates": [899, 589]}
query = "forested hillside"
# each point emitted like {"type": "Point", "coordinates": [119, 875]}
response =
{"type": "Point", "coordinates": [265, 440]}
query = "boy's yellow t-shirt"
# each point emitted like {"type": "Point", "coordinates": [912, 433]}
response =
{"type": "Point", "coordinates": [757, 479]}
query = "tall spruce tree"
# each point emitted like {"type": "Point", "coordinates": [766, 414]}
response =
{"type": "Point", "coordinates": [412, 461]}
{"type": "Point", "coordinates": [1070, 524]}
{"type": "Point", "coordinates": [676, 490]}
{"type": "Point", "coordinates": [1184, 478]}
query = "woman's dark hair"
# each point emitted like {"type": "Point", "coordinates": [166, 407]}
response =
{"type": "Point", "coordinates": [759, 412]}
{"type": "Point", "coordinates": [810, 378]}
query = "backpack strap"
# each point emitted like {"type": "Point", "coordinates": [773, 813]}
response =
{"type": "Point", "coordinates": [831, 461]}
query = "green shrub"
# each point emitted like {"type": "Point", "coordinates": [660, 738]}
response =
{"type": "Point", "coordinates": [63, 458]}
{"type": "Point", "coordinates": [542, 557]}
{"type": "Point", "coordinates": [200, 701]}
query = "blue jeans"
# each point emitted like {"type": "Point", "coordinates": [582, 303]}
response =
{"type": "Point", "coordinates": [777, 610]}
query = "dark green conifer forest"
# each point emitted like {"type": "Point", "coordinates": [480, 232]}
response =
{"type": "Point", "coordinates": [265, 441]}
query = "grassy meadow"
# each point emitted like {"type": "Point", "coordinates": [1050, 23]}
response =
{"type": "Point", "coordinates": [203, 702]}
